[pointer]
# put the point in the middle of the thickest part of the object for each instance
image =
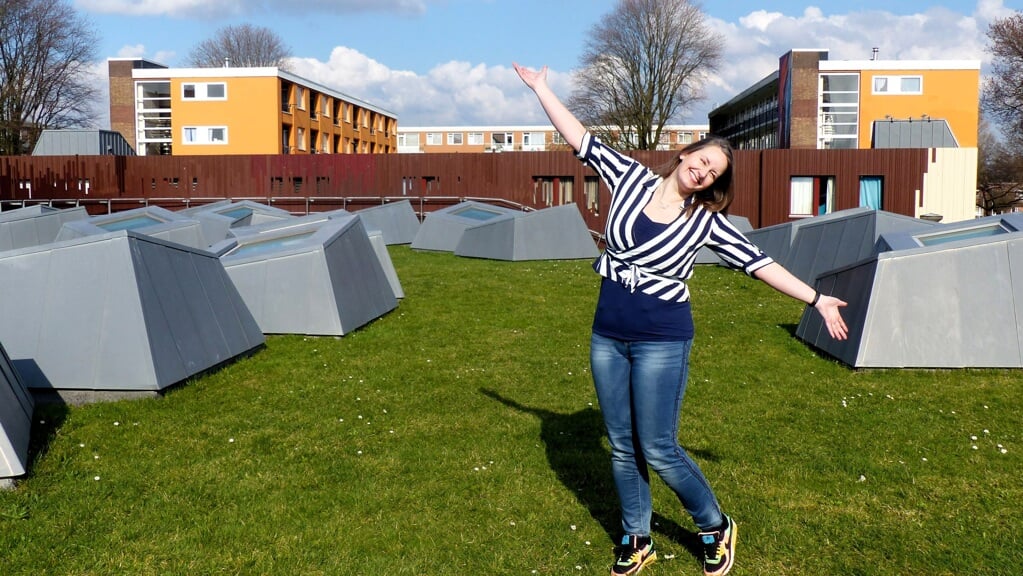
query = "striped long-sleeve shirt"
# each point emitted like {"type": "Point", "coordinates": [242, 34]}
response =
{"type": "Point", "coordinates": [660, 266]}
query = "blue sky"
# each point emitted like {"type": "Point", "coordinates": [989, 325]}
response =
{"type": "Point", "coordinates": [448, 62]}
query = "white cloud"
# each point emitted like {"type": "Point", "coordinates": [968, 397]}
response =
{"type": "Point", "coordinates": [217, 8]}
{"type": "Point", "coordinates": [451, 93]}
{"type": "Point", "coordinates": [181, 8]}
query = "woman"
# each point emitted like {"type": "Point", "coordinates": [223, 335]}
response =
{"type": "Point", "coordinates": [643, 327]}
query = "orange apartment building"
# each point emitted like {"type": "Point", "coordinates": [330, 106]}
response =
{"type": "Point", "coordinates": [464, 139]}
{"type": "Point", "coordinates": [217, 111]}
{"type": "Point", "coordinates": [813, 102]}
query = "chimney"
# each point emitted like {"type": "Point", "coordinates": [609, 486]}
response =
{"type": "Point", "coordinates": [873, 53]}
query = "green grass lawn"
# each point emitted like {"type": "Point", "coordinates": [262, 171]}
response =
{"type": "Point", "coordinates": [459, 434]}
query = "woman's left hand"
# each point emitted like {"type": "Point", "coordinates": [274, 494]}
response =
{"type": "Point", "coordinates": [829, 309]}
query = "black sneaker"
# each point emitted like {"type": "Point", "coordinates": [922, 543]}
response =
{"type": "Point", "coordinates": [719, 549]}
{"type": "Point", "coordinates": [635, 553]}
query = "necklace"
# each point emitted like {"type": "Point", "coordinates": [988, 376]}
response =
{"type": "Point", "coordinates": [667, 205]}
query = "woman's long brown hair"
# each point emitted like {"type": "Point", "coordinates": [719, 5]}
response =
{"type": "Point", "coordinates": [718, 196]}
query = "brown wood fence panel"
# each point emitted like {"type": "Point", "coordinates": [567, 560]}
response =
{"type": "Point", "coordinates": [353, 181]}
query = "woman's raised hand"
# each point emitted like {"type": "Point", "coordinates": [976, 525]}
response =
{"type": "Point", "coordinates": [532, 78]}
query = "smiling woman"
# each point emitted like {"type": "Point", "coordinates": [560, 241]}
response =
{"type": "Point", "coordinates": [642, 331]}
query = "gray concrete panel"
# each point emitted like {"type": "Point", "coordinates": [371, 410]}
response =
{"type": "Point", "coordinates": [120, 311]}
{"type": "Point", "coordinates": [397, 221]}
{"type": "Point", "coordinates": [174, 285]}
{"type": "Point", "coordinates": [16, 407]}
{"type": "Point", "coordinates": [319, 278]}
{"type": "Point", "coordinates": [152, 221]}
{"type": "Point", "coordinates": [376, 239]}
{"type": "Point", "coordinates": [1015, 255]}
{"type": "Point", "coordinates": [775, 241]}
{"type": "Point", "coordinates": [948, 305]}
{"type": "Point", "coordinates": [442, 229]}
{"type": "Point", "coordinates": [375, 236]}
{"type": "Point", "coordinates": [494, 239]}
{"type": "Point", "coordinates": [557, 233]}
{"type": "Point", "coordinates": [361, 288]}
{"type": "Point", "coordinates": [217, 219]}
{"type": "Point", "coordinates": [853, 284]}
{"type": "Point", "coordinates": [34, 225]}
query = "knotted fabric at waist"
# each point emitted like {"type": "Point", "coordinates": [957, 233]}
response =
{"type": "Point", "coordinates": [632, 275]}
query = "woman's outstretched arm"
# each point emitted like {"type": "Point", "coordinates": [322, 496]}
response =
{"type": "Point", "coordinates": [777, 277]}
{"type": "Point", "coordinates": [564, 121]}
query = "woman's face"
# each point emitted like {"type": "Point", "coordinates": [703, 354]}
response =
{"type": "Point", "coordinates": [699, 169]}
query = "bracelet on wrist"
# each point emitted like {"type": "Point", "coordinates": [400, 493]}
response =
{"type": "Point", "coordinates": [816, 298]}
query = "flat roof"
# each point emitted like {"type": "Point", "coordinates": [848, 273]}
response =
{"type": "Point", "coordinates": [850, 65]}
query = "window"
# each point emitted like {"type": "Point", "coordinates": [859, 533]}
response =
{"type": "Point", "coordinates": [685, 137]}
{"type": "Point", "coordinates": [204, 91]}
{"type": "Point", "coordinates": [898, 85]}
{"type": "Point", "coordinates": [325, 147]}
{"type": "Point", "coordinates": [801, 196]}
{"type": "Point", "coordinates": [547, 186]}
{"type": "Point", "coordinates": [153, 117]}
{"type": "Point", "coordinates": [838, 111]}
{"type": "Point", "coordinates": [591, 190]}
{"type": "Point", "coordinates": [811, 195]}
{"type": "Point", "coordinates": [300, 97]}
{"type": "Point", "coordinates": [455, 138]}
{"type": "Point", "coordinates": [434, 139]}
{"type": "Point", "coordinates": [501, 141]}
{"type": "Point", "coordinates": [408, 139]}
{"type": "Point", "coordinates": [475, 138]}
{"type": "Point", "coordinates": [300, 138]}
{"type": "Point", "coordinates": [201, 135]}
{"type": "Point", "coordinates": [872, 192]}
{"type": "Point", "coordinates": [534, 140]}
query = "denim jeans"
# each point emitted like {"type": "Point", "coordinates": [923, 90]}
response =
{"type": "Point", "coordinates": [640, 386]}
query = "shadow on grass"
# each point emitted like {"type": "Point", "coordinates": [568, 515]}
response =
{"type": "Point", "coordinates": [577, 455]}
{"type": "Point", "coordinates": [47, 420]}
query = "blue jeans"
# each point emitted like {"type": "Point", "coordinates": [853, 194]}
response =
{"type": "Point", "coordinates": [640, 386]}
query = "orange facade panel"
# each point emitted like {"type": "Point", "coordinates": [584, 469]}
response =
{"type": "Point", "coordinates": [952, 95]}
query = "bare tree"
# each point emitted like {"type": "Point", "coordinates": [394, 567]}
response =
{"type": "Point", "coordinates": [999, 173]}
{"type": "Point", "coordinates": [245, 46]}
{"type": "Point", "coordinates": [643, 65]}
{"type": "Point", "coordinates": [45, 51]}
{"type": "Point", "coordinates": [1003, 89]}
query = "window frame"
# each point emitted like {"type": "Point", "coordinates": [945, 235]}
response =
{"type": "Point", "coordinates": [200, 91]}
{"type": "Point", "coordinates": [195, 135]}
{"type": "Point", "coordinates": [896, 81]}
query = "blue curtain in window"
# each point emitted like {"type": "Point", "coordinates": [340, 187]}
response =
{"type": "Point", "coordinates": [870, 192]}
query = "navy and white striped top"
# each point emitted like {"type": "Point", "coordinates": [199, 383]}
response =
{"type": "Point", "coordinates": [660, 265]}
